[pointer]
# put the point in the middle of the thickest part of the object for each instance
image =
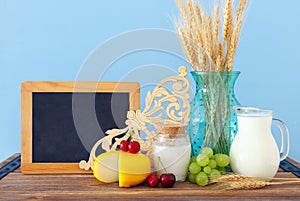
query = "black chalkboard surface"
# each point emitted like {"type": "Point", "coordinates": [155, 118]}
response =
{"type": "Point", "coordinates": [52, 114]}
{"type": "Point", "coordinates": [60, 125]}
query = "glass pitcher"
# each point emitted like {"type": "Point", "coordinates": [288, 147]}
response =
{"type": "Point", "coordinates": [254, 151]}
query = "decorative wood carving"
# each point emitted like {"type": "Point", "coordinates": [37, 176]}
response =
{"type": "Point", "coordinates": [163, 105]}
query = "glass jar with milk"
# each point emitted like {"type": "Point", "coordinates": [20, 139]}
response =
{"type": "Point", "coordinates": [172, 151]}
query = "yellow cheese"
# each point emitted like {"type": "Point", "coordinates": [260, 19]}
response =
{"type": "Point", "coordinates": [129, 169]}
{"type": "Point", "coordinates": [133, 169]}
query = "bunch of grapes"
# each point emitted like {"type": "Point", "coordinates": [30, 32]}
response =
{"type": "Point", "coordinates": [206, 166]}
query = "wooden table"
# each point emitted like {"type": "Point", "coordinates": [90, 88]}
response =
{"type": "Point", "coordinates": [16, 186]}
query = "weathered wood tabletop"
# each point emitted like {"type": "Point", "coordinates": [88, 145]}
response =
{"type": "Point", "coordinates": [16, 186]}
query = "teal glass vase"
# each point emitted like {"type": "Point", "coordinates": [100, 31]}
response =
{"type": "Point", "coordinates": [213, 122]}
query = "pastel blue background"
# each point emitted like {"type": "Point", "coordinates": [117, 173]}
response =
{"type": "Point", "coordinates": [49, 40]}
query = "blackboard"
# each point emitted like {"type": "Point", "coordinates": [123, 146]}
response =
{"type": "Point", "coordinates": [61, 124]}
{"type": "Point", "coordinates": [52, 113]}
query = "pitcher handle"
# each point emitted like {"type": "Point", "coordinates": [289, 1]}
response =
{"type": "Point", "coordinates": [285, 144]}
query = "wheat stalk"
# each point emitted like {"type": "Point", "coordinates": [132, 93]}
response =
{"type": "Point", "coordinates": [197, 29]}
{"type": "Point", "coordinates": [252, 184]}
{"type": "Point", "coordinates": [240, 10]}
{"type": "Point", "coordinates": [235, 34]}
{"type": "Point", "coordinates": [185, 43]}
{"type": "Point", "coordinates": [188, 47]}
{"type": "Point", "coordinates": [192, 19]}
{"type": "Point", "coordinates": [216, 38]}
{"type": "Point", "coordinates": [230, 177]}
{"type": "Point", "coordinates": [209, 36]}
{"type": "Point", "coordinates": [238, 177]}
{"type": "Point", "coordinates": [247, 184]}
{"type": "Point", "coordinates": [228, 24]}
{"type": "Point", "coordinates": [183, 11]}
{"type": "Point", "coordinates": [238, 182]}
{"type": "Point", "coordinates": [230, 53]}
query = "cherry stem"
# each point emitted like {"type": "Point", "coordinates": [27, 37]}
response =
{"type": "Point", "coordinates": [164, 168]}
{"type": "Point", "coordinates": [130, 135]}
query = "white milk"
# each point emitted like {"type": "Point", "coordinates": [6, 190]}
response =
{"type": "Point", "coordinates": [174, 158]}
{"type": "Point", "coordinates": [254, 151]}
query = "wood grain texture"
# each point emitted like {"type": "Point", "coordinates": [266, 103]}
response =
{"type": "Point", "coordinates": [27, 88]}
{"type": "Point", "coordinates": [17, 186]}
{"type": "Point", "coordinates": [26, 123]}
{"type": "Point", "coordinates": [83, 187]}
{"type": "Point", "coordinates": [132, 87]}
{"type": "Point", "coordinates": [52, 168]}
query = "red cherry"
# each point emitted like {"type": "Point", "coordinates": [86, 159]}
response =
{"type": "Point", "coordinates": [134, 147]}
{"type": "Point", "coordinates": [167, 180]}
{"type": "Point", "coordinates": [152, 180]}
{"type": "Point", "coordinates": [124, 145]}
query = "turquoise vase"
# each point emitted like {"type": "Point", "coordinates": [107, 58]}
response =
{"type": "Point", "coordinates": [213, 122]}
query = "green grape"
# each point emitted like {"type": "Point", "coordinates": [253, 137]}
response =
{"type": "Point", "coordinates": [192, 178]}
{"type": "Point", "coordinates": [215, 174]}
{"type": "Point", "coordinates": [208, 151]}
{"type": "Point", "coordinates": [221, 169]}
{"type": "Point", "coordinates": [212, 163]}
{"type": "Point", "coordinates": [193, 159]}
{"type": "Point", "coordinates": [202, 160]}
{"type": "Point", "coordinates": [207, 170]}
{"type": "Point", "coordinates": [222, 160]}
{"type": "Point", "coordinates": [201, 179]}
{"type": "Point", "coordinates": [194, 168]}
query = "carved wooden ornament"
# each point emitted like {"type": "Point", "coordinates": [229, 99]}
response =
{"type": "Point", "coordinates": [162, 105]}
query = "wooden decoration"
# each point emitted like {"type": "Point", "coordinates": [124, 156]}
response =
{"type": "Point", "coordinates": [46, 108]}
{"type": "Point", "coordinates": [162, 105]}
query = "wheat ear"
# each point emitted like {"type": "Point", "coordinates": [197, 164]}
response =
{"type": "Point", "coordinates": [209, 37]}
{"type": "Point", "coordinates": [252, 184]}
{"type": "Point", "coordinates": [230, 177]}
{"type": "Point", "coordinates": [235, 34]}
{"type": "Point", "coordinates": [228, 23]}
{"type": "Point", "coordinates": [246, 184]}
{"type": "Point", "coordinates": [191, 16]}
{"type": "Point", "coordinates": [183, 11]}
{"type": "Point", "coordinates": [197, 24]}
{"type": "Point", "coordinates": [240, 10]}
{"type": "Point", "coordinates": [231, 51]}
{"type": "Point", "coordinates": [220, 59]}
{"type": "Point", "coordinates": [216, 53]}
{"type": "Point", "coordinates": [237, 177]}
{"type": "Point", "coordinates": [186, 45]}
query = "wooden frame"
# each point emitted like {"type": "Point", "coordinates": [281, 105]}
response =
{"type": "Point", "coordinates": [27, 88]}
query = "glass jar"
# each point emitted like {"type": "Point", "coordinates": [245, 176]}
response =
{"type": "Point", "coordinates": [172, 151]}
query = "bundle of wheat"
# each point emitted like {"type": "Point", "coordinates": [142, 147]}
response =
{"type": "Point", "coordinates": [210, 41]}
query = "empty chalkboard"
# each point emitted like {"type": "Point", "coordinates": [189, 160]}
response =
{"type": "Point", "coordinates": [61, 121]}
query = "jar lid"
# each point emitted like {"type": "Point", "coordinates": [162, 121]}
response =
{"type": "Point", "coordinates": [172, 129]}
